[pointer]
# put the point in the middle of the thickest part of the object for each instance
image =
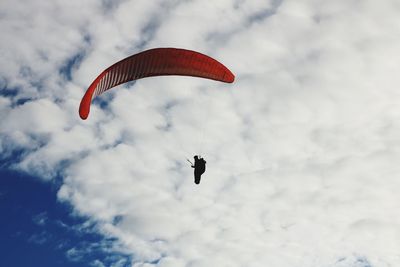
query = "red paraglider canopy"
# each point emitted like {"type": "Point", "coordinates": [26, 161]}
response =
{"type": "Point", "coordinates": [155, 62]}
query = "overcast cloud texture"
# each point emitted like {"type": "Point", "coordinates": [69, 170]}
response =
{"type": "Point", "coordinates": [302, 150]}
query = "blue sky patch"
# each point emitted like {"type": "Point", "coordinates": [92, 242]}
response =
{"type": "Point", "coordinates": [34, 224]}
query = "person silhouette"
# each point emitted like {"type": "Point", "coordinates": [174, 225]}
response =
{"type": "Point", "coordinates": [199, 168]}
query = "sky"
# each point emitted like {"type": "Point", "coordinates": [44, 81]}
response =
{"type": "Point", "coordinates": [302, 149]}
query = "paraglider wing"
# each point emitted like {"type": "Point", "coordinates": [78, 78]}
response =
{"type": "Point", "coordinates": [155, 62]}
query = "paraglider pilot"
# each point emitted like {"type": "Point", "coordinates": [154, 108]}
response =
{"type": "Point", "coordinates": [199, 168]}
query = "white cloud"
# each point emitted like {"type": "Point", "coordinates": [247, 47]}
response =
{"type": "Point", "coordinates": [302, 150]}
{"type": "Point", "coordinates": [40, 219]}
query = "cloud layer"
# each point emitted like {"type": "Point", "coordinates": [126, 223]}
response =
{"type": "Point", "coordinates": [302, 149]}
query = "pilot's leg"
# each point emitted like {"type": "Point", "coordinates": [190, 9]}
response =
{"type": "Point", "coordinates": [197, 178]}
